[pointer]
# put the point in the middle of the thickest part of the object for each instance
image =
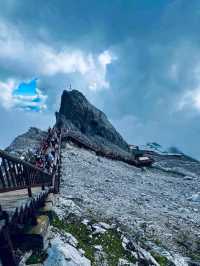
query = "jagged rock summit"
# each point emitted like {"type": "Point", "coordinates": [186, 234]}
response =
{"type": "Point", "coordinates": [77, 113]}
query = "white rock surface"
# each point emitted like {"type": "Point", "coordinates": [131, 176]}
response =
{"type": "Point", "coordinates": [195, 197]}
{"type": "Point", "coordinates": [105, 225]}
{"type": "Point", "coordinates": [65, 205]}
{"type": "Point", "coordinates": [63, 254]}
{"type": "Point", "coordinates": [98, 247]}
{"type": "Point", "coordinates": [123, 262]}
{"type": "Point", "coordinates": [149, 201]}
{"type": "Point", "coordinates": [98, 229]}
{"type": "Point", "coordinates": [71, 240]}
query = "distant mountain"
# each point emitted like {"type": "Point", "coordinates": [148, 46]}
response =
{"type": "Point", "coordinates": [27, 142]}
{"type": "Point", "coordinates": [153, 146]}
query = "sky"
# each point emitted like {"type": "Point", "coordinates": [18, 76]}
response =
{"type": "Point", "coordinates": [137, 60]}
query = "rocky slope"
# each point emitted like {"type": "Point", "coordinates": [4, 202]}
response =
{"type": "Point", "coordinates": [148, 216]}
{"type": "Point", "coordinates": [158, 206]}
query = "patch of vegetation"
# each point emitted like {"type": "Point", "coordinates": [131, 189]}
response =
{"type": "Point", "coordinates": [163, 261]}
{"type": "Point", "coordinates": [80, 232]}
{"type": "Point", "coordinates": [184, 240]}
{"type": "Point", "coordinates": [37, 257]}
{"type": "Point", "coordinates": [112, 245]}
{"type": "Point", "coordinates": [110, 241]}
{"type": "Point", "coordinates": [195, 257]}
{"type": "Point", "coordinates": [157, 242]}
{"type": "Point", "coordinates": [189, 244]}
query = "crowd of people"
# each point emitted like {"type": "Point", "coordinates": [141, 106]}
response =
{"type": "Point", "coordinates": [46, 157]}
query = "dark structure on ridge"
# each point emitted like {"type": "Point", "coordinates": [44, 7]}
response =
{"type": "Point", "coordinates": [77, 113]}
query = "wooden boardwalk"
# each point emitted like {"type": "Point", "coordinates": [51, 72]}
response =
{"type": "Point", "coordinates": [24, 187]}
{"type": "Point", "coordinates": [11, 200]}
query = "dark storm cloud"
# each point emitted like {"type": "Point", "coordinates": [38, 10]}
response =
{"type": "Point", "coordinates": [107, 22]}
{"type": "Point", "coordinates": [154, 84]}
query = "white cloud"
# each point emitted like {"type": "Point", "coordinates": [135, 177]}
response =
{"type": "Point", "coordinates": [97, 74]}
{"type": "Point", "coordinates": [92, 67]}
{"type": "Point", "coordinates": [6, 93]}
{"type": "Point", "coordinates": [105, 58]}
{"type": "Point", "coordinates": [63, 62]}
{"type": "Point", "coordinates": [39, 59]}
{"type": "Point", "coordinates": [191, 99]}
{"type": "Point", "coordinates": [36, 102]}
{"type": "Point", "coordinates": [197, 100]}
{"type": "Point", "coordinates": [9, 99]}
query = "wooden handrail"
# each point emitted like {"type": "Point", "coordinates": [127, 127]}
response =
{"type": "Point", "coordinates": [18, 174]}
{"type": "Point", "coordinates": [82, 141]}
{"type": "Point", "coordinates": [15, 159]}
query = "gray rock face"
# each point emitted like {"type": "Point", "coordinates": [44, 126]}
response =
{"type": "Point", "coordinates": [26, 142]}
{"type": "Point", "coordinates": [156, 205]}
{"type": "Point", "coordinates": [78, 114]}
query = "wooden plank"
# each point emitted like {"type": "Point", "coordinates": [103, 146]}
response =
{"type": "Point", "coordinates": [6, 172]}
{"type": "Point", "coordinates": [4, 190]}
{"type": "Point", "coordinates": [12, 199]}
{"type": "Point", "coordinates": [6, 248]}
{"type": "Point", "coordinates": [11, 173]}
{"type": "Point", "coordinates": [7, 156]}
{"type": "Point", "coordinates": [2, 178]}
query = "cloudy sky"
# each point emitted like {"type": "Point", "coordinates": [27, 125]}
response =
{"type": "Point", "coordinates": [137, 60]}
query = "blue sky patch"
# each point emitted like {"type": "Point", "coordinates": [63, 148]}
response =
{"type": "Point", "coordinates": [28, 97]}
{"type": "Point", "coordinates": [27, 88]}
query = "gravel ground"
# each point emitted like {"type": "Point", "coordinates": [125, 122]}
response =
{"type": "Point", "coordinates": [159, 206]}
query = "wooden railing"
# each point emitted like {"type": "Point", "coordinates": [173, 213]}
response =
{"type": "Point", "coordinates": [82, 141]}
{"type": "Point", "coordinates": [26, 215]}
{"type": "Point", "coordinates": [12, 227]}
{"type": "Point", "coordinates": [16, 174]}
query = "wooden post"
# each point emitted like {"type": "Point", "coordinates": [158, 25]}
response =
{"type": "Point", "coordinates": [6, 248]}
{"type": "Point", "coordinates": [26, 174]}
{"type": "Point", "coordinates": [29, 192]}
{"type": "Point", "coordinates": [2, 178]}
{"type": "Point", "coordinates": [59, 176]}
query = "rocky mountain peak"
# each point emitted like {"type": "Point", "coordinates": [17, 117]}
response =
{"type": "Point", "coordinates": [77, 113]}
